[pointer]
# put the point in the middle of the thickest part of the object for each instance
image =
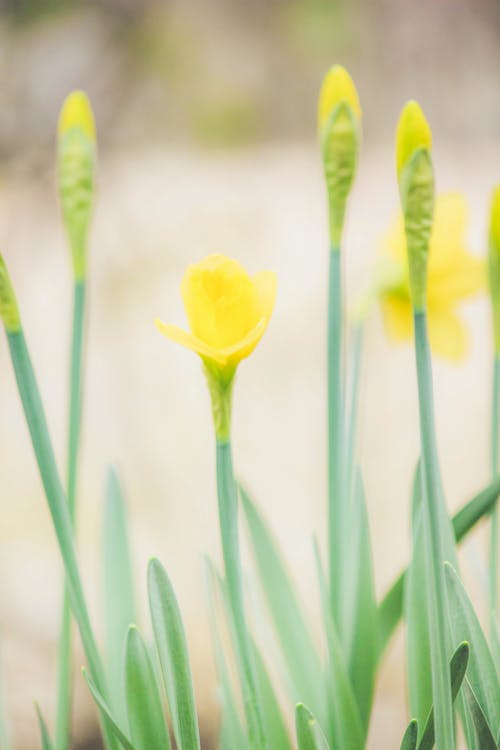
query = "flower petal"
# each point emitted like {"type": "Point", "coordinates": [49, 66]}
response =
{"type": "Point", "coordinates": [463, 278]}
{"type": "Point", "coordinates": [174, 333]}
{"type": "Point", "coordinates": [397, 316]}
{"type": "Point", "coordinates": [448, 335]}
{"type": "Point", "coordinates": [266, 284]}
{"type": "Point", "coordinates": [243, 348]}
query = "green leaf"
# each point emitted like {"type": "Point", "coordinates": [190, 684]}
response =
{"type": "Point", "coordinates": [418, 645]}
{"type": "Point", "coordinates": [46, 741]}
{"type": "Point", "coordinates": [465, 626]}
{"type": "Point", "coordinates": [458, 668]}
{"type": "Point", "coordinates": [274, 725]}
{"type": "Point", "coordinates": [309, 733]}
{"type": "Point", "coordinates": [232, 733]}
{"type": "Point", "coordinates": [304, 668]}
{"type": "Point", "coordinates": [145, 712]}
{"type": "Point", "coordinates": [106, 713]}
{"type": "Point", "coordinates": [391, 607]}
{"type": "Point", "coordinates": [484, 733]}
{"type": "Point", "coordinates": [172, 649]}
{"type": "Point", "coordinates": [346, 728]}
{"type": "Point", "coordinates": [119, 604]}
{"type": "Point", "coordinates": [360, 625]}
{"type": "Point", "coordinates": [410, 736]}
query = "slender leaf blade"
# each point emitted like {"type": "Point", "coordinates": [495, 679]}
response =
{"type": "Point", "coordinates": [46, 741]}
{"type": "Point", "coordinates": [147, 723]}
{"type": "Point", "coordinates": [484, 732]}
{"type": "Point", "coordinates": [309, 733]}
{"type": "Point", "coordinates": [410, 736]}
{"type": "Point", "coordinates": [106, 713]}
{"type": "Point", "coordinates": [299, 651]}
{"type": "Point", "coordinates": [174, 659]}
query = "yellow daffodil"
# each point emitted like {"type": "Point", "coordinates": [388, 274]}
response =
{"type": "Point", "coordinates": [454, 274]}
{"type": "Point", "coordinates": [228, 311]}
{"type": "Point", "coordinates": [337, 87]}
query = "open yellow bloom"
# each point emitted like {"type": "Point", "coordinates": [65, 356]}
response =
{"type": "Point", "coordinates": [454, 274]}
{"type": "Point", "coordinates": [228, 311]}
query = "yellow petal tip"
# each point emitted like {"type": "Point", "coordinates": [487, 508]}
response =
{"type": "Point", "coordinates": [76, 112]}
{"type": "Point", "coordinates": [413, 133]}
{"type": "Point", "coordinates": [337, 87]}
{"type": "Point", "coordinates": [495, 218]}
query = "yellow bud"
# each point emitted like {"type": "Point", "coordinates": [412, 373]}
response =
{"type": "Point", "coordinates": [9, 312]}
{"type": "Point", "coordinates": [413, 133]}
{"type": "Point", "coordinates": [338, 87]}
{"type": "Point", "coordinates": [494, 264]}
{"type": "Point", "coordinates": [77, 112]}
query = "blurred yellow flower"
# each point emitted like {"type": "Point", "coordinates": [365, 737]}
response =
{"type": "Point", "coordinates": [228, 311]}
{"type": "Point", "coordinates": [413, 133]}
{"type": "Point", "coordinates": [454, 274]}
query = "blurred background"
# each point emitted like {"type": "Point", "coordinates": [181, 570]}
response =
{"type": "Point", "coordinates": [206, 115]}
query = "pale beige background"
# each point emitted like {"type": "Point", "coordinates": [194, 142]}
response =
{"type": "Point", "coordinates": [161, 206]}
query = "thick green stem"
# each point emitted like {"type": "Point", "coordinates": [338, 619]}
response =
{"type": "Point", "coordinates": [58, 506]}
{"type": "Point", "coordinates": [228, 518]}
{"type": "Point", "coordinates": [436, 588]}
{"type": "Point", "coordinates": [63, 718]}
{"type": "Point", "coordinates": [494, 472]}
{"type": "Point", "coordinates": [335, 417]}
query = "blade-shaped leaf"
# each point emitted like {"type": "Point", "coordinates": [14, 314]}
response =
{"type": "Point", "coordinates": [360, 625]}
{"type": "Point", "coordinates": [458, 667]}
{"type": "Point", "coordinates": [46, 741]}
{"type": "Point", "coordinates": [301, 657]}
{"type": "Point", "coordinates": [232, 733]}
{"type": "Point", "coordinates": [119, 605]}
{"type": "Point", "coordinates": [484, 733]}
{"type": "Point", "coordinates": [481, 672]}
{"type": "Point", "coordinates": [172, 649]}
{"type": "Point", "coordinates": [410, 736]}
{"type": "Point", "coordinates": [309, 733]}
{"type": "Point", "coordinates": [274, 726]}
{"type": "Point", "coordinates": [391, 607]}
{"type": "Point", "coordinates": [148, 728]}
{"type": "Point", "coordinates": [106, 712]}
{"type": "Point", "coordinates": [345, 724]}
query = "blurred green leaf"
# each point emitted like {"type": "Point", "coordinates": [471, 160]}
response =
{"type": "Point", "coordinates": [145, 712]}
{"type": "Point", "coordinates": [46, 741]}
{"type": "Point", "coordinates": [309, 733]}
{"type": "Point", "coordinates": [484, 733]}
{"type": "Point", "coordinates": [303, 665]}
{"type": "Point", "coordinates": [119, 603]}
{"type": "Point", "coordinates": [391, 607]}
{"type": "Point", "coordinates": [174, 659]}
{"type": "Point", "coordinates": [481, 671]}
{"type": "Point", "coordinates": [458, 668]}
{"type": "Point", "coordinates": [106, 712]}
{"type": "Point", "coordinates": [346, 729]}
{"type": "Point", "coordinates": [361, 613]}
{"type": "Point", "coordinates": [274, 725]}
{"type": "Point", "coordinates": [410, 736]}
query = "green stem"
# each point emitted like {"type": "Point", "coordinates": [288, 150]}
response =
{"type": "Point", "coordinates": [63, 717]}
{"type": "Point", "coordinates": [228, 518]}
{"type": "Point", "coordinates": [494, 472]}
{"type": "Point", "coordinates": [436, 588]}
{"type": "Point", "coordinates": [58, 506]}
{"type": "Point", "coordinates": [335, 417]}
{"type": "Point", "coordinates": [352, 424]}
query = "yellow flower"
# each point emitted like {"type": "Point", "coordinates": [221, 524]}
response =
{"type": "Point", "coordinates": [228, 311]}
{"type": "Point", "coordinates": [454, 274]}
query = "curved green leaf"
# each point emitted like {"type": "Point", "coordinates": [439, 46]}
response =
{"type": "Point", "coordinates": [106, 713]}
{"type": "Point", "coordinates": [148, 728]}
{"type": "Point", "coordinates": [309, 733]}
{"type": "Point", "coordinates": [46, 741]}
{"type": "Point", "coordinates": [410, 736]}
{"type": "Point", "coordinates": [172, 649]}
{"type": "Point", "coordinates": [484, 733]}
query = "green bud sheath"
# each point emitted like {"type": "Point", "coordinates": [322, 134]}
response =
{"type": "Point", "coordinates": [9, 311]}
{"type": "Point", "coordinates": [416, 185]}
{"type": "Point", "coordinates": [494, 266]}
{"type": "Point", "coordinates": [76, 188]}
{"type": "Point", "coordinates": [340, 155]}
{"type": "Point", "coordinates": [220, 385]}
